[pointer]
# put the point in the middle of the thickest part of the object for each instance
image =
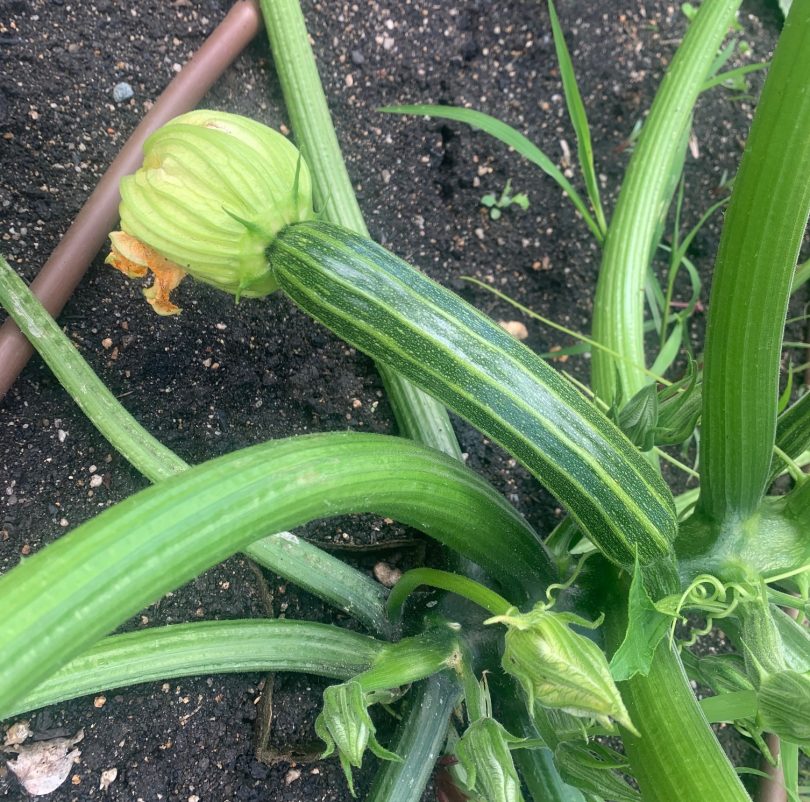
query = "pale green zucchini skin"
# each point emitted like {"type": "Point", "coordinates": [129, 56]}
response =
{"type": "Point", "coordinates": [386, 308]}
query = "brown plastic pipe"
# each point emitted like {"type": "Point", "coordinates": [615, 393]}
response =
{"type": "Point", "coordinates": [68, 263]}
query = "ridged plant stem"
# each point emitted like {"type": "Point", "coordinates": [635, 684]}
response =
{"type": "Point", "coordinates": [419, 739]}
{"type": "Point", "coordinates": [92, 579]}
{"type": "Point", "coordinates": [205, 647]}
{"type": "Point", "coordinates": [418, 415]}
{"type": "Point", "coordinates": [618, 320]}
{"type": "Point", "coordinates": [678, 758]}
{"type": "Point", "coordinates": [762, 234]}
{"type": "Point", "coordinates": [295, 559]}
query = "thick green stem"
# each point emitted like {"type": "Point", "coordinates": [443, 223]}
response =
{"type": "Point", "coordinates": [618, 321]}
{"type": "Point", "coordinates": [759, 247]}
{"type": "Point", "coordinates": [324, 576]}
{"type": "Point", "coordinates": [418, 415]}
{"type": "Point", "coordinates": [678, 757]}
{"type": "Point", "coordinates": [207, 647]}
{"type": "Point", "coordinates": [283, 553]}
{"type": "Point", "coordinates": [419, 740]}
{"type": "Point", "coordinates": [89, 581]}
{"type": "Point", "coordinates": [129, 438]}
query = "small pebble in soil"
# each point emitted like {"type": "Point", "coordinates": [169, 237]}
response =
{"type": "Point", "coordinates": [122, 92]}
{"type": "Point", "coordinates": [386, 574]}
{"type": "Point", "coordinates": [515, 328]}
{"type": "Point", "coordinates": [107, 778]}
{"type": "Point", "coordinates": [17, 733]}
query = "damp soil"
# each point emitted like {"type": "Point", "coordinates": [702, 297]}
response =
{"type": "Point", "coordinates": [223, 376]}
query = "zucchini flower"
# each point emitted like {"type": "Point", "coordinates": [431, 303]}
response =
{"type": "Point", "coordinates": [344, 723]}
{"type": "Point", "coordinates": [559, 668]}
{"type": "Point", "coordinates": [213, 191]}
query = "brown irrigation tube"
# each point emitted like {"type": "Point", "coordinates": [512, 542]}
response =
{"type": "Point", "coordinates": [68, 263]}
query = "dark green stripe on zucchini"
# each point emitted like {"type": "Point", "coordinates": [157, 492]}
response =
{"type": "Point", "coordinates": [386, 308]}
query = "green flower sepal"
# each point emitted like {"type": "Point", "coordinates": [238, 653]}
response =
{"type": "Point", "coordinates": [345, 724]}
{"type": "Point", "coordinates": [559, 668]}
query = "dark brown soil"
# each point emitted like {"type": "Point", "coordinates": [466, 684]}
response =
{"type": "Point", "coordinates": [223, 376]}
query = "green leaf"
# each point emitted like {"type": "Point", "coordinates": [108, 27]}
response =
{"type": "Point", "coordinates": [509, 136]}
{"type": "Point", "coordinates": [785, 6]}
{"type": "Point", "coordinates": [646, 628]}
{"type": "Point", "coordinates": [521, 200]}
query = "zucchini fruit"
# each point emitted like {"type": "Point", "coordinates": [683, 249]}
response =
{"type": "Point", "coordinates": [388, 309]}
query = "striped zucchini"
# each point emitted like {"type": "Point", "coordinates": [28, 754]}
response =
{"type": "Point", "coordinates": [389, 310]}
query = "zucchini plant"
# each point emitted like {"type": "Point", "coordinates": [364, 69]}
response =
{"type": "Point", "coordinates": [540, 644]}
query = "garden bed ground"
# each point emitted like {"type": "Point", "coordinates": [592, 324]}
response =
{"type": "Point", "coordinates": [223, 376]}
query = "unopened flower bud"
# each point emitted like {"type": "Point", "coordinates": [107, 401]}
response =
{"type": "Point", "coordinates": [213, 191]}
{"type": "Point", "coordinates": [344, 724]}
{"type": "Point", "coordinates": [784, 706]}
{"type": "Point", "coordinates": [559, 668]}
{"type": "Point", "coordinates": [485, 756]}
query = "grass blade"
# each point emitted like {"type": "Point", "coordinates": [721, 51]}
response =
{"type": "Point", "coordinates": [579, 119]}
{"type": "Point", "coordinates": [792, 434]}
{"type": "Point", "coordinates": [509, 136]}
{"type": "Point", "coordinates": [801, 276]}
{"type": "Point", "coordinates": [730, 75]}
